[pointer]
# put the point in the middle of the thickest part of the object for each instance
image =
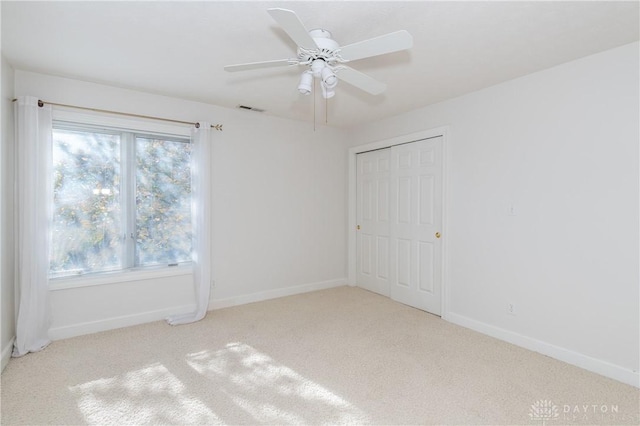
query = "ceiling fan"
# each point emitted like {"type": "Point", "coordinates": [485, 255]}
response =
{"type": "Point", "coordinates": [325, 59]}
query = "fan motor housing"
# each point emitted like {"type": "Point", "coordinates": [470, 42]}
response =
{"type": "Point", "coordinates": [326, 48]}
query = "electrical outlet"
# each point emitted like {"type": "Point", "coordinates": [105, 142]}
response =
{"type": "Point", "coordinates": [511, 309]}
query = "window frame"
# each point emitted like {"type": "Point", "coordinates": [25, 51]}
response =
{"type": "Point", "coordinates": [74, 120]}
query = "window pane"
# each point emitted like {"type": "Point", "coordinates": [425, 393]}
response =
{"type": "Point", "coordinates": [163, 201]}
{"type": "Point", "coordinates": [87, 228]}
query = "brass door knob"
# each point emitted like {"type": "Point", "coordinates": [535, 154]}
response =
{"type": "Point", "coordinates": [437, 235]}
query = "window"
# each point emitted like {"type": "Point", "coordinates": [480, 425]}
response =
{"type": "Point", "coordinates": [122, 200]}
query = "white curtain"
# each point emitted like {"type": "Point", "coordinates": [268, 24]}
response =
{"type": "Point", "coordinates": [34, 203]}
{"type": "Point", "coordinates": [200, 222]}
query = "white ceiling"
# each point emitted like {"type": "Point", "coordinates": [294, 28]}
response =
{"type": "Point", "coordinates": [179, 48]}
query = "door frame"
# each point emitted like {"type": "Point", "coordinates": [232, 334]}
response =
{"type": "Point", "coordinates": [352, 201]}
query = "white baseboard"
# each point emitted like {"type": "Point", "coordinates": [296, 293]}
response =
{"type": "Point", "coordinates": [65, 332]}
{"type": "Point", "coordinates": [274, 294]}
{"type": "Point", "coordinates": [6, 353]}
{"type": "Point", "coordinates": [594, 365]}
{"type": "Point", "coordinates": [90, 327]}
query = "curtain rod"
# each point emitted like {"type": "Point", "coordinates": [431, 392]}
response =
{"type": "Point", "coordinates": [197, 125]}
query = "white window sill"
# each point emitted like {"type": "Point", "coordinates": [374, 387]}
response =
{"type": "Point", "coordinates": [64, 283]}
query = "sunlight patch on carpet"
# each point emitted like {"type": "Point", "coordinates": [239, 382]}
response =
{"type": "Point", "coordinates": [271, 392]}
{"type": "Point", "coordinates": [151, 395]}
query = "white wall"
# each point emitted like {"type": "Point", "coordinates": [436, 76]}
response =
{"type": "Point", "coordinates": [561, 146]}
{"type": "Point", "coordinates": [7, 306]}
{"type": "Point", "coordinates": [279, 210]}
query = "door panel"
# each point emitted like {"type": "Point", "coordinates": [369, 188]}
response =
{"type": "Point", "coordinates": [403, 263]}
{"type": "Point", "coordinates": [427, 203]}
{"type": "Point", "coordinates": [425, 264]}
{"type": "Point", "coordinates": [365, 258]}
{"type": "Point", "coordinates": [382, 244]}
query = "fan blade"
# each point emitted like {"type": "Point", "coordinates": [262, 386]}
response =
{"type": "Point", "coordinates": [392, 42]}
{"type": "Point", "coordinates": [360, 80]}
{"type": "Point", "coordinates": [293, 26]}
{"type": "Point", "coordinates": [265, 64]}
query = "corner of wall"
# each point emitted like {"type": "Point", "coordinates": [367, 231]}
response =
{"type": "Point", "coordinates": [7, 309]}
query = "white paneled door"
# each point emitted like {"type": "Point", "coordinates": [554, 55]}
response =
{"type": "Point", "coordinates": [373, 200]}
{"type": "Point", "coordinates": [416, 224]}
{"type": "Point", "coordinates": [399, 212]}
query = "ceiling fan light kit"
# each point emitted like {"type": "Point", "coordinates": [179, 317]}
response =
{"type": "Point", "coordinates": [325, 59]}
{"type": "Point", "coordinates": [306, 83]}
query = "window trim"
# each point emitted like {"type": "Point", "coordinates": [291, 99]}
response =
{"type": "Point", "coordinates": [120, 276]}
{"type": "Point", "coordinates": [71, 118]}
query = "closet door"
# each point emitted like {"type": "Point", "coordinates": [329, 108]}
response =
{"type": "Point", "coordinates": [373, 204]}
{"type": "Point", "coordinates": [416, 224]}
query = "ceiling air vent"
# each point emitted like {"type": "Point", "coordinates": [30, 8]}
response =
{"type": "Point", "coordinates": [250, 108]}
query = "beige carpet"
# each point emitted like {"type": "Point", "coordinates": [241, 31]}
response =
{"type": "Point", "coordinates": [335, 356]}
